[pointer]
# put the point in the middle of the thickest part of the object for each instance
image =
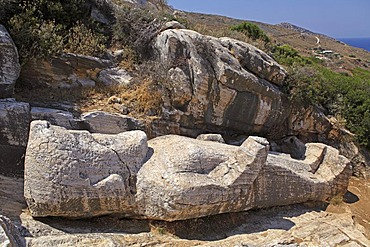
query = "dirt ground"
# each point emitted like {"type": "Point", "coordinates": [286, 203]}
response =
{"type": "Point", "coordinates": [356, 202]}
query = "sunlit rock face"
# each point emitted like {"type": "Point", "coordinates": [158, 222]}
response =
{"type": "Point", "coordinates": [78, 174]}
{"type": "Point", "coordinates": [221, 82]}
{"type": "Point", "coordinates": [9, 64]}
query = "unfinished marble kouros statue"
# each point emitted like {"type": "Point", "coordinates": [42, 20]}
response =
{"type": "Point", "coordinates": [78, 174]}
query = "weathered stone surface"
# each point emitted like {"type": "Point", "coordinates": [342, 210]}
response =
{"type": "Point", "coordinates": [319, 177]}
{"type": "Point", "coordinates": [78, 174]}
{"type": "Point", "coordinates": [230, 87]}
{"type": "Point", "coordinates": [54, 116]}
{"type": "Point", "coordinates": [172, 25]}
{"type": "Point", "coordinates": [191, 178]}
{"type": "Point", "coordinates": [211, 137]}
{"type": "Point", "coordinates": [65, 71]}
{"type": "Point", "coordinates": [222, 83]}
{"type": "Point", "coordinates": [9, 64]}
{"type": "Point", "coordinates": [114, 77]}
{"type": "Point", "coordinates": [303, 229]}
{"type": "Point", "coordinates": [311, 125]}
{"type": "Point", "coordinates": [109, 123]}
{"type": "Point", "coordinates": [14, 126]}
{"type": "Point", "coordinates": [200, 178]}
{"type": "Point", "coordinates": [256, 61]}
{"type": "Point", "coordinates": [9, 234]}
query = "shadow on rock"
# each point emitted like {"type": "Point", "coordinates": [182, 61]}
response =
{"type": "Point", "coordinates": [222, 226]}
{"type": "Point", "coordinates": [349, 197]}
{"type": "Point", "coordinates": [104, 224]}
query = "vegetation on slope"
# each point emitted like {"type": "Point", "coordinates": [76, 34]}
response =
{"type": "Point", "coordinates": [347, 97]}
{"type": "Point", "coordinates": [252, 31]}
{"type": "Point", "coordinates": [42, 28]}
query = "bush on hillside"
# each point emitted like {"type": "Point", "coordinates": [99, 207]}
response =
{"type": "Point", "coordinates": [252, 31]}
{"type": "Point", "coordinates": [42, 28]}
{"type": "Point", "coordinates": [346, 97]}
{"type": "Point", "coordinates": [287, 55]}
{"type": "Point", "coordinates": [83, 40]}
{"type": "Point", "coordinates": [135, 28]}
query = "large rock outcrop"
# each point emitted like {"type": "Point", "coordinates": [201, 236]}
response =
{"type": "Point", "coordinates": [78, 174]}
{"type": "Point", "coordinates": [228, 86]}
{"type": "Point", "coordinates": [9, 64]}
{"type": "Point", "coordinates": [14, 126]}
{"type": "Point", "coordinates": [65, 71]}
{"type": "Point", "coordinates": [222, 83]}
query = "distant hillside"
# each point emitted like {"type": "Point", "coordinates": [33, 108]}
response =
{"type": "Point", "coordinates": [339, 56]}
{"type": "Point", "coordinates": [296, 28]}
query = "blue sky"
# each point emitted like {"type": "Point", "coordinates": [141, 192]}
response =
{"type": "Point", "coordinates": [336, 18]}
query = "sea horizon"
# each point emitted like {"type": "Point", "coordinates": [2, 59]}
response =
{"type": "Point", "coordinates": [362, 42]}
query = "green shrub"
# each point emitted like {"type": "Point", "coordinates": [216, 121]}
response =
{"type": "Point", "coordinates": [34, 37]}
{"type": "Point", "coordinates": [287, 55]}
{"type": "Point", "coordinates": [42, 28]}
{"type": "Point", "coordinates": [83, 40]}
{"type": "Point", "coordinates": [252, 31]}
{"type": "Point", "coordinates": [347, 97]}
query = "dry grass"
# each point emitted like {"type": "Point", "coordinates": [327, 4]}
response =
{"type": "Point", "coordinates": [141, 100]}
{"type": "Point", "coordinates": [336, 200]}
{"type": "Point", "coordinates": [145, 98]}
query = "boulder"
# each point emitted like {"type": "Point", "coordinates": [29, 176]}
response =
{"type": "Point", "coordinates": [14, 121]}
{"type": "Point", "coordinates": [78, 174]}
{"type": "Point", "coordinates": [64, 71]}
{"type": "Point", "coordinates": [9, 64]}
{"type": "Point", "coordinates": [109, 123]}
{"type": "Point", "coordinates": [172, 25]}
{"type": "Point", "coordinates": [114, 77]}
{"type": "Point", "coordinates": [221, 84]}
{"type": "Point", "coordinates": [9, 234]}
{"type": "Point", "coordinates": [54, 116]}
{"type": "Point", "coordinates": [14, 126]}
{"type": "Point", "coordinates": [226, 86]}
{"type": "Point", "coordinates": [211, 137]}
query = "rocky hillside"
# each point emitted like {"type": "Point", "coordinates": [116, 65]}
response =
{"type": "Point", "coordinates": [123, 123]}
